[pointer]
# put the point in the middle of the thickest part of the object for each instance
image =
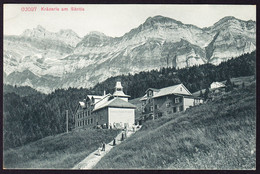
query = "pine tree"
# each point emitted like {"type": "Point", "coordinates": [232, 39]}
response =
{"type": "Point", "coordinates": [229, 85]}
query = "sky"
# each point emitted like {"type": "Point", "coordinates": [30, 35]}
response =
{"type": "Point", "coordinates": [114, 20]}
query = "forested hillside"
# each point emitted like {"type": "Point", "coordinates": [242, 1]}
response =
{"type": "Point", "coordinates": [30, 115]}
{"type": "Point", "coordinates": [22, 90]}
{"type": "Point", "coordinates": [194, 78]}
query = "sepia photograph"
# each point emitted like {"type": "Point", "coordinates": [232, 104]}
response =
{"type": "Point", "coordinates": [129, 86]}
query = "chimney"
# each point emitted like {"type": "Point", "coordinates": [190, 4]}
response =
{"type": "Point", "coordinates": [104, 92]}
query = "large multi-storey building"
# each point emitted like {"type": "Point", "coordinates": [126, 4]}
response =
{"type": "Point", "coordinates": [108, 111]}
{"type": "Point", "coordinates": [158, 102]}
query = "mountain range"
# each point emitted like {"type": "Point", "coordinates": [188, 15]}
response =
{"type": "Point", "coordinates": [47, 60]}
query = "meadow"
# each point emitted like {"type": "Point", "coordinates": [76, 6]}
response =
{"type": "Point", "coordinates": [61, 151]}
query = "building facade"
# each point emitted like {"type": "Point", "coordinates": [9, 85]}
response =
{"type": "Point", "coordinates": [107, 111]}
{"type": "Point", "coordinates": [169, 100]}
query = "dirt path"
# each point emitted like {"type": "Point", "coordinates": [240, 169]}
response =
{"type": "Point", "coordinates": [92, 159]}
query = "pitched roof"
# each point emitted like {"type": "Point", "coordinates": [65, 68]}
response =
{"type": "Point", "coordinates": [82, 104]}
{"type": "Point", "coordinates": [153, 89]}
{"type": "Point", "coordinates": [170, 90]}
{"type": "Point", "coordinates": [216, 85]}
{"type": "Point", "coordinates": [95, 96]}
{"type": "Point", "coordinates": [116, 102]}
{"type": "Point", "coordinates": [144, 98]}
{"type": "Point", "coordinates": [120, 94]}
{"type": "Point", "coordinates": [102, 101]}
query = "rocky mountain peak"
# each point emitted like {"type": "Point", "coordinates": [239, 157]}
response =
{"type": "Point", "coordinates": [67, 37]}
{"type": "Point", "coordinates": [95, 38]}
{"type": "Point", "coordinates": [39, 31]}
{"type": "Point", "coordinates": [231, 20]}
{"type": "Point", "coordinates": [158, 42]}
{"type": "Point", "coordinates": [68, 32]}
{"type": "Point", "coordinates": [97, 33]}
{"type": "Point", "coordinates": [162, 20]}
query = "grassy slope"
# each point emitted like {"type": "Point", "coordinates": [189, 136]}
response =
{"type": "Point", "coordinates": [60, 151]}
{"type": "Point", "coordinates": [218, 135]}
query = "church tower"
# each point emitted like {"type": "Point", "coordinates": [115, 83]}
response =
{"type": "Point", "coordinates": [119, 92]}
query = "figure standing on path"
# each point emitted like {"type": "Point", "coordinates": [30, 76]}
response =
{"type": "Point", "coordinates": [114, 142]}
{"type": "Point", "coordinates": [122, 138]}
{"type": "Point", "coordinates": [104, 146]}
{"type": "Point", "coordinates": [126, 133]}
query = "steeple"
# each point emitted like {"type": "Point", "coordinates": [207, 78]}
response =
{"type": "Point", "coordinates": [118, 86]}
{"type": "Point", "coordinates": [119, 92]}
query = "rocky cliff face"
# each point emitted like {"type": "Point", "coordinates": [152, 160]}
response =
{"type": "Point", "coordinates": [46, 60]}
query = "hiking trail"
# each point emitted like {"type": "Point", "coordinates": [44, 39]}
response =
{"type": "Point", "coordinates": [92, 159]}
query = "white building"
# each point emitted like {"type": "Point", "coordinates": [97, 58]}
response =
{"type": "Point", "coordinates": [215, 85]}
{"type": "Point", "coordinates": [111, 111]}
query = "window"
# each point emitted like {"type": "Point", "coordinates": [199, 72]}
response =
{"type": "Point", "coordinates": [151, 108]}
{"type": "Point", "coordinates": [88, 121]}
{"type": "Point", "coordinates": [177, 100]}
{"type": "Point", "coordinates": [150, 93]}
{"type": "Point", "coordinates": [180, 88]}
{"type": "Point", "coordinates": [174, 109]}
{"type": "Point", "coordinates": [168, 104]}
{"type": "Point", "coordinates": [156, 106]}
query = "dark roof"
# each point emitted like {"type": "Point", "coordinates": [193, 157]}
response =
{"type": "Point", "coordinates": [184, 95]}
{"type": "Point", "coordinates": [116, 102]}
